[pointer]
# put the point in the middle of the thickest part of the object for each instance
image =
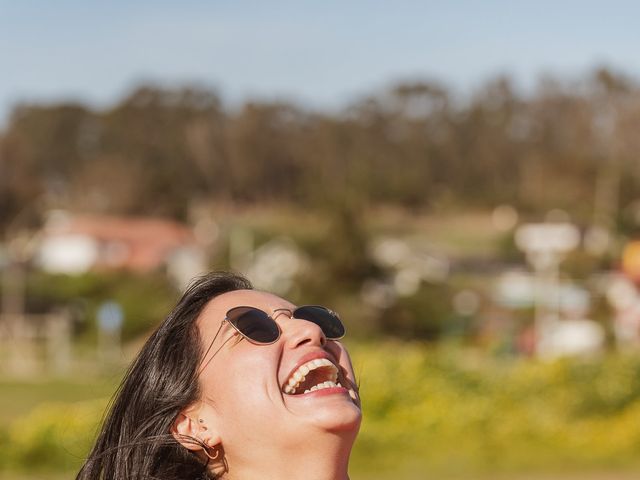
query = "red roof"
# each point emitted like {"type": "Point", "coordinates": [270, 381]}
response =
{"type": "Point", "coordinates": [139, 244]}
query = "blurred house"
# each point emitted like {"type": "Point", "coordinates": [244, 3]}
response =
{"type": "Point", "coordinates": [562, 309]}
{"type": "Point", "coordinates": [74, 244]}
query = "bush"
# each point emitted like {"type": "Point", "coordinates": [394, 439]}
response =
{"type": "Point", "coordinates": [53, 437]}
{"type": "Point", "coordinates": [432, 411]}
{"type": "Point", "coordinates": [425, 314]}
{"type": "Point", "coordinates": [428, 413]}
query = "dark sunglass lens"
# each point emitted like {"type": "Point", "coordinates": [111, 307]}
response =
{"type": "Point", "coordinates": [254, 324]}
{"type": "Point", "coordinates": [328, 321]}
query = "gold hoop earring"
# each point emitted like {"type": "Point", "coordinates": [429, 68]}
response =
{"type": "Point", "coordinates": [206, 452]}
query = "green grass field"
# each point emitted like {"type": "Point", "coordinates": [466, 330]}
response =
{"type": "Point", "coordinates": [20, 397]}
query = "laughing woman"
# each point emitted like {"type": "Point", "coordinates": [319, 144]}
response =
{"type": "Point", "coordinates": [234, 384]}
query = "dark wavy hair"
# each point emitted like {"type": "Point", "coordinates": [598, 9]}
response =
{"type": "Point", "coordinates": [135, 441]}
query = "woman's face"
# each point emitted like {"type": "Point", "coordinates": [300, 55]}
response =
{"type": "Point", "coordinates": [243, 385]}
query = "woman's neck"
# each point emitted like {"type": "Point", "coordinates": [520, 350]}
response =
{"type": "Point", "coordinates": [318, 461]}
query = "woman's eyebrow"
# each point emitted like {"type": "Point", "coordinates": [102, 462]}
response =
{"type": "Point", "coordinates": [276, 313]}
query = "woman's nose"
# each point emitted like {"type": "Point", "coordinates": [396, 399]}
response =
{"type": "Point", "coordinates": [298, 332]}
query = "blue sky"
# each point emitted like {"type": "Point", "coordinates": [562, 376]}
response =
{"type": "Point", "coordinates": [320, 53]}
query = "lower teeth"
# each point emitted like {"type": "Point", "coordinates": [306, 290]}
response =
{"type": "Point", "coordinates": [322, 386]}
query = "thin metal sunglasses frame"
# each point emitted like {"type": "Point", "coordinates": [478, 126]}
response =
{"type": "Point", "coordinates": [272, 317]}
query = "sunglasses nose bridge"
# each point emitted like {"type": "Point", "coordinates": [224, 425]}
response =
{"type": "Point", "coordinates": [280, 311]}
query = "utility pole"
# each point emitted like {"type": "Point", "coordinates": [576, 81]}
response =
{"type": "Point", "coordinates": [598, 239]}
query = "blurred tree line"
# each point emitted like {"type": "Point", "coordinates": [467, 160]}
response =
{"type": "Point", "coordinates": [564, 145]}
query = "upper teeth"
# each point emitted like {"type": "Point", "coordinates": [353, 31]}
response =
{"type": "Point", "coordinates": [302, 371]}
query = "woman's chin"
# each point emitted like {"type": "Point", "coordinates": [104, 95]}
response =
{"type": "Point", "coordinates": [347, 420]}
{"type": "Point", "coordinates": [330, 413]}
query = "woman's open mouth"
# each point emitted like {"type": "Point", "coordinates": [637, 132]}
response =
{"type": "Point", "coordinates": [318, 374]}
{"type": "Point", "coordinates": [313, 375]}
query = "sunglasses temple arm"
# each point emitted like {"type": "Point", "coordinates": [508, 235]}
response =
{"type": "Point", "coordinates": [209, 349]}
{"type": "Point", "coordinates": [217, 350]}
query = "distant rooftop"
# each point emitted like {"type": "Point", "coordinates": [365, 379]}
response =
{"type": "Point", "coordinates": [135, 243]}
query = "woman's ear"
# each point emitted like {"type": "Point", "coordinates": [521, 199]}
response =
{"type": "Point", "coordinates": [189, 430]}
{"type": "Point", "coordinates": [185, 430]}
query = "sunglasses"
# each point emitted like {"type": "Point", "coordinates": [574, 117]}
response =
{"type": "Point", "coordinates": [260, 328]}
